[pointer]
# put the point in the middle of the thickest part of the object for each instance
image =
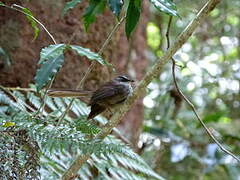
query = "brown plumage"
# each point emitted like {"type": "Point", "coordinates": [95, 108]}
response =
{"type": "Point", "coordinates": [108, 95]}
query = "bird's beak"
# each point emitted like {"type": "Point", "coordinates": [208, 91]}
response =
{"type": "Point", "coordinates": [132, 80]}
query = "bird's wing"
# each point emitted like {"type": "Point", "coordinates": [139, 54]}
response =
{"type": "Point", "coordinates": [109, 93]}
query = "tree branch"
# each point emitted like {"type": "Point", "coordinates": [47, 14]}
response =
{"type": "Point", "coordinates": [155, 71]}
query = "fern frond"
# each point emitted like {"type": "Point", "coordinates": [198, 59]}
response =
{"type": "Point", "coordinates": [59, 145]}
{"type": "Point", "coordinates": [6, 100]}
{"type": "Point", "coordinates": [86, 127]}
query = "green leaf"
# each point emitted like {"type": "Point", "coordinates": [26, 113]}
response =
{"type": "Point", "coordinates": [70, 5]}
{"type": "Point", "coordinates": [166, 6]}
{"type": "Point", "coordinates": [116, 6]}
{"type": "Point", "coordinates": [51, 51]}
{"type": "Point", "coordinates": [95, 7]}
{"type": "Point", "coordinates": [133, 14]}
{"type": "Point", "coordinates": [32, 22]}
{"type": "Point", "coordinates": [89, 54]}
{"type": "Point", "coordinates": [48, 70]}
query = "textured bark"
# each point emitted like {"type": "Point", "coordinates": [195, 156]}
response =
{"type": "Point", "coordinates": [16, 36]}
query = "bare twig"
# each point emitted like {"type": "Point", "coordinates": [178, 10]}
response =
{"type": "Point", "coordinates": [65, 112]}
{"type": "Point", "coordinates": [190, 103]}
{"type": "Point", "coordinates": [20, 89]}
{"type": "Point", "coordinates": [41, 108]}
{"type": "Point", "coordinates": [155, 71]}
{"type": "Point", "coordinates": [168, 32]}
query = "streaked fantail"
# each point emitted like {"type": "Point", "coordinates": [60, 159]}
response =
{"type": "Point", "coordinates": [109, 94]}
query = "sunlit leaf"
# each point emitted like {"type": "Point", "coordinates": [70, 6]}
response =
{"type": "Point", "coordinates": [47, 70]}
{"type": "Point", "coordinates": [233, 20]}
{"type": "Point", "coordinates": [89, 54]}
{"type": "Point", "coordinates": [166, 6]}
{"type": "Point", "coordinates": [95, 7]}
{"type": "Point", "coordinates": [133, 14]}
{"type": "Point", "coordinates": [224, 119]}
{"type": "Point", "coordinates": [153, 36]}
{"type": "Point", "coordinates": [32, 22]}
{"type": "Point", "coordinates": [8, 124]}
{"type": "Point", "coordinates": [51, 51]}
{"type": "Point", "coordinates": [116, 6]}
{"type": "Point", "coordinates": [70, 5]}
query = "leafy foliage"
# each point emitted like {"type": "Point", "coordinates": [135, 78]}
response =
{"type": "Point", "coordinates": [58, 145]}
{"type": "Point", "coordinates": [133, 14]}
{"type": "Point", "coordinates": [133, 11]}
{"type": "Point", "coordinates": [70, 5]}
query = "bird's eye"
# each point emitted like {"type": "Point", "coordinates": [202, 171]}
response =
{"type": "Point", "coordinates": [124, 78]}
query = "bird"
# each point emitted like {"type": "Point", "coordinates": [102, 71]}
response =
{"type": "Point", "coordinates": [106, 96]}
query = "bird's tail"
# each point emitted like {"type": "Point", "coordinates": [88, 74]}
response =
{"type": "Point", "coordinates": [68, 93]}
